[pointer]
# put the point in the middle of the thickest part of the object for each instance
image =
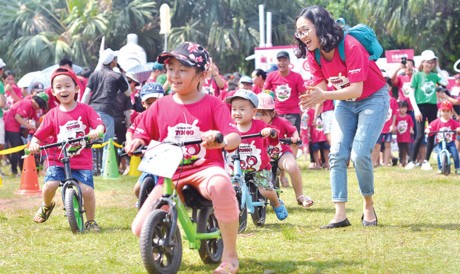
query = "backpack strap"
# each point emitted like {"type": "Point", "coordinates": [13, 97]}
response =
{"type": "Point", "coordinates": [318, 57]}
{"type": "Point", "coordinates": [341, 48]}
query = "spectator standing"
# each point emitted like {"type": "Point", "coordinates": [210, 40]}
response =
{"type": "Point", "coordinates": [362, 96]}
{"type": "Point", "coordinates": [101, 91]}
{"type": "Point", "coordinates": [424, 98]}
{"type": "Point", "coordinates": [404, 130]}
{"type": "Point", "coordinates": [12, 91]}
{"type": "Point", "coordinates": [214, 83]}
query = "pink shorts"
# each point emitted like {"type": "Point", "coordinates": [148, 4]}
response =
{"type": "Point", "coordinates": [213, 183]}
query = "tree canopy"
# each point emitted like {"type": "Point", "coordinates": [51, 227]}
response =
{"type": "Point", "coordinates": [38, 33]}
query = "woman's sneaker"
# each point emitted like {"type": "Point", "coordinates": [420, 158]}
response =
{"type": "Point", "coordinates": [410, 165]}
{"type": "Point", "coordinates": [426, 166]}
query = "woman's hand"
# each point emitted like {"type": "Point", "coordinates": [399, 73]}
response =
{"type": "Point", "coordinates": [313, 96]}
{"type": "Point", "coordinates": [418, 117]}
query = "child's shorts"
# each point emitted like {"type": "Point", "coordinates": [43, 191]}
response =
{"type": "Point", "coordinates": [320, 145]}
{"type": "Point", "coordinates": [56, 173]}
{"type": "Point", "coordinates": [145, 175]}
{"type": "Point", "coordinates": [384, 138]}
{"type": "Point", "coordinates": [262, 178]}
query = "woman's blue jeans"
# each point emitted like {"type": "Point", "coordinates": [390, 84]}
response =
{"type": "Point", "coordinates": [355, 129]}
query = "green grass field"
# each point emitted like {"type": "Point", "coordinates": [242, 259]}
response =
{"type": "Point", "coordinates": [418, 232]}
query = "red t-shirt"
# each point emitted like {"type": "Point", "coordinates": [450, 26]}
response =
{"type": "Point", "coordinates": [316, 131]}
{"type": "Point", "coordinates": [356, 68]}
{"type": "Point", "coordinates": [287, 91]}
{"type": "Point", "coordinates": [305, 125]}
{"type": "Point", "coordinates": [68, 125]}
{"type": "Point", "coordinates": [167, 120]}
{"type": "Point", "coordinates": [24, 108]}
{"type": "Point", "coordinates": [286, 130]}
{"type": "Point", "coordinates": [328, 105]}
{"type": "Point", "coordinates": [404, 89]}
{"type": "Point", "coordinates": [403, 126]}
{"type": "Point", "coordinates": [392, 111]}
{"type": "Point", "coordinates": [253, 151]}
{"type": "Point", "coordinates": [439, 125]}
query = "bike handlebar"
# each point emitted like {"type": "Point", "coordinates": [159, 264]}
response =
{"type": "Point", "coordinates": [289, 141]}
{"type": "Point", "coordinates": [219, 138]}
{"type": "Point", "coordinates": [62, 143]}
{"type": "Point", "coordinates": [255, 135]}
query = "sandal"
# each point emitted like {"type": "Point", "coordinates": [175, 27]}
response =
{"type": "Point", "coordinates": [43, 213]}
{"type": "Point", "coordinates": [281, 211]}
{"type": "Point", "coordinates": [226, 268]}
{"type": "Point", "coordinates": [305, 201]}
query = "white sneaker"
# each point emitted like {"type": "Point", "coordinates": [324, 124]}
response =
{"type": "Point", "coordinates": [426, 166]}
{"type": "Point", "coordinates": [410, 165]}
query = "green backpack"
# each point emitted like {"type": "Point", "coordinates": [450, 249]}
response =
{"type": "Point", "coordinates": [365, 35]}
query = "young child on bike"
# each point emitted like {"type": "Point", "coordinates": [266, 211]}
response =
{"type": "Point", "coordinates": [446, 123]}
{"type": "Point", "coordinates": [253, 151]}
{"type": "Point", "coordinates": [70, 119]}
{"type": "Point", "coordinates": [149, 93]}
{"type": "Point", "coordinates": [189, 114]}
{"type": "Point", "coordinates": [284, 156]}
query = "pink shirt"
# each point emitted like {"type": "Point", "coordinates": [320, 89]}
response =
{"type": "Point", "coordinates": [287, 91]}
{"type": "Point", "coordinates": [328, 105]}
{"type": "Point", "coordinates": [24, 108]}
{"type": "Point", "coordinates": [392, 111]}
{"type": "Point", "coordinates": [404, 89]}
{"type": "Point", "coordinates": [357, 68]}
{"type": "Point", "coordinates": [68, 125]}
{"type": "Point", "coordinates": [286, 130]}
{"type": "Point", "coordinates": [253, 151]}
{"type": "Point", "coordinates": [167, 120]}
{"type": "Point", "coordinates": [403, 126]}
{"type": "Point", "coordinates": [438, 125]}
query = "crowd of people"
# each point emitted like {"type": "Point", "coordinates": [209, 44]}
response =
{"type": "Point", "coordinates": [345, 114]}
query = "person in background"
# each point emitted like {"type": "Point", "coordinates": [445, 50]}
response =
{"type": "Point", "coordinates": [423, 97]}
{"type": "Point", "coordinates": [404, 129]}
{"type": "Point", "coordinates": [214, 83]}
{"type": "Point", "coordinates": [149, 93]}
{"type": "Point", "coordinates": [362, 96]}
{"type": "Point", "coordinates": [12, 91]}
{"type": "Point", "coordinates": [446, 123]}
{"type": "Point", "coordinates": [2, 104]}
{"type": "Point", "coordinates": [102, 88]}
{"type": "Point", "coordinates": [22, 113]}
{"type": "Point", "coordinates": [287, 86]}
{"type": "Point", "coordinates": [258, 78]}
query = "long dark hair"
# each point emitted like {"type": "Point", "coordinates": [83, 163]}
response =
{"type": "Point", "coordinates": [328, 31]}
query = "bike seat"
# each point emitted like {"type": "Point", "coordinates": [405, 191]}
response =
{"type": "Point", "coordinates": [192, 198]}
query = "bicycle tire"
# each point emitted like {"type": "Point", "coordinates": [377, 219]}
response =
{"type": "Point", "coordinates": [157, 257]}
{"type": "Point", "coordinates": [74, 210]}
{"type": "Point", "coordinates": [147, 186]}
{"type": "Point", "coordinates": [260, 212]}
{"type": "Point", "coordinates": [210, 249]}
{"type": "Point", "coordinates": [445, 167]}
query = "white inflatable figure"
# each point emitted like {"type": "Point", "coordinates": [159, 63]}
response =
{"type": "Point", "coordinates": [131, 54]}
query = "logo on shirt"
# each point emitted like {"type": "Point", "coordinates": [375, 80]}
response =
{"type": "Point", "coordinates": [402, 126]}
{"type": "Point", "coordinates": [354, 71]}
{"type": "Point", "coordinates": [70, 130]}
{"type": "Point", "coordinates": [250, 157]}
{"type": "Point", "coordinates": [339, 81]}
{"type": "Point", "coordinates": [283, 92]}
{"type": "Point", "coordinates": [428, 88]}
{"type": "Point", "coordinates": [185, 132]}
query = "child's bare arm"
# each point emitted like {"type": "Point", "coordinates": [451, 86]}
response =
{"type": "Point", "coordinates": [34, 146]}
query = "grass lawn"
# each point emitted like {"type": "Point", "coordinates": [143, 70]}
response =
{"type": "Point", "coordinates": [418, 232]}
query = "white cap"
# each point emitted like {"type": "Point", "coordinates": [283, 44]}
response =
{"type": "Point", "coordinates": [428, 55]}
{"type": "Point", "coordinates": [107, 56]}
{"type": "Point", "coordinates": [2, 64]}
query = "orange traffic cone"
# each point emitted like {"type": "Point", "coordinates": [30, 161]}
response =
{"type": "Point", "coordinates": [29, 177]}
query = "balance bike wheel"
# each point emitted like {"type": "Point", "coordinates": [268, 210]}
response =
{"type": "Point", "coordinates": [73, 211]}
{"type": "Point", "coordinates": [156, 256]}
{"type": "Point", "coordinates": [210, 249]}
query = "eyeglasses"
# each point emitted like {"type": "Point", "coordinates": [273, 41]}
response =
{"type": "Point", "coordinates": [301, 33]}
